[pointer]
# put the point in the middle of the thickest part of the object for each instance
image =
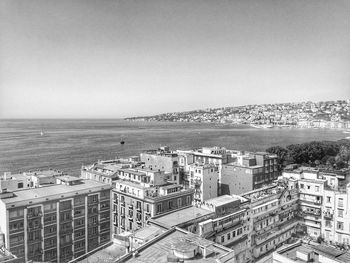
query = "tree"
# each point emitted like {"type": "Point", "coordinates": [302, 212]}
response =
{"type": "Point", "coordinates": [281, 154]}
{"type": "Point", "coordinates": [344, 153]}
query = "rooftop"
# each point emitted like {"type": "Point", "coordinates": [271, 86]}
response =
{"type": "Point", "coordinates": [108, 255]}
{"type": "Point", "coordinates": [52, 190]}
{"type": "Point", "coordinates": [181, 216]}
{"type": "Point", "coordinates": [147, 231]}
{"type": "Point", "coordinates": [264, 192]}
{"type": "Point", "coordinates": [222, 200]}
{"type": "Point", "coordinates": [329, 252]}
{"type": "Point", "coordinates": [159, 249]}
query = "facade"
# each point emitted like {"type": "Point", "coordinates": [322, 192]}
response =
{"type": "Point", "coordinates": [106, 171]}
{"type": "Point", "coordinates": [31, 179]}
{"type": "Point", "coordinates": [56, 223]}
{"type": "Point", "coordinates": [273, 216]}
{"type": "Point", "coordinates": [140, 194]}
{"type": "Point", "coordinates": [206, 155]}
{"type": "Point", "coordinates": [204, 180]}
{"type": "Point", "coordinates": [230, 227]}
{"type": "Point", "coordinates": [324, 201]}
{"type": "Point", "coordinates": [248, 171]}
{"type": "Point", "coordinates": [164, 160]}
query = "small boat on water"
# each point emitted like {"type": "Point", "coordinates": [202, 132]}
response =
{"type": "Point", "coordinates": [41, 133]}
{"type": "Point", "coordinates": [122, 141]}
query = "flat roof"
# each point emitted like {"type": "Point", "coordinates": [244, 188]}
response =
{"type": "Point", "coordinates": [109, 254]}
{"type": "Point", "coordinates": [51, 190]}
{"type": "Point", "coordinates": [182, 216]}
{"type": "Point", "coordinates": [147, 231]}
{"type": "Point", "coordinates": [222, 200]}
{"type": "Point", "coordinates": [327, 251]}
{"type": "Point", "coordinates": [159, 250]}
{"type": "Point", "coordinates": [69, 178]}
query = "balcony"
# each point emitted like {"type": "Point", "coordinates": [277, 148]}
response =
{"type": "Point", "coordinates": [139, 209]}
{"type": "Point", "coordinates": [122, 203]}
{"type": "Point", "coordinates": [34, 215]}
{"type": "Point", "coordinates": [35, 240]}
{"type": "Point", "coordinates": [328, 215]}
{"type": "Point", "coordinates": [34, 227]}
{"type": "Point", "coordinates": [66, 231]}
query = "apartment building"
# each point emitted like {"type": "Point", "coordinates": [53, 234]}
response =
{"type": "Point", "coordinates": [164, 160]}
{"type": "Point", "coordinates": [203, 178]}
{"type": "Point", "coordinates": [230, 227]}
{"type": "Point", "coordinates": [206, 155]}
{"type": "Point", "coordinates": [273, 216]}
{"type": "Point", "coordinates": [248, 171]}
{"type": "Point", "coordinates": [56, 223]}
{"type": "Point", "coordinates": [324, 204]}
{"type": "Point", "coordinates": [106, 171]}
{"type": "Point", "coordinates": [140, 194]}
{"type": "Point", "coordinates": [30, 179]}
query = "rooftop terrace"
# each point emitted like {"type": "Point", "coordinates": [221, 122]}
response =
{"type": "Point", "coordinates": [30, 195]}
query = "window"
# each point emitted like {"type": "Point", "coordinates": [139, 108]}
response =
{"type": "Point", "coordinates": [317, 188]}
{"type": "Point", "coordinates": [159, 208]}
{"type": "Point", "coordinates": [302, 186]}
{"type": "Point", "coordinates": [340, 225]}
{"type": "Point", "coordinates": [340, 213]}
{"type": "Point", "coordinates": [222, 239]}
{"type": "Point", "coordinates": [188, 200]}
{"type": "Point", "coordinates": [308, 187]}
{"type": "Point", "coordinates": [179, 203]}
{"type": "Point", "coordinates": [328, 199]}
{"type": "Point", "coordinates": [228, 236]}
{"type": "Point", "coordinates": [340, 202]}
{"type": "Point", "coordinates": [20, 185]}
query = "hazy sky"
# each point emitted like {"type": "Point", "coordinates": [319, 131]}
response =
{"type": "Point", "coordinates": [125, 58]}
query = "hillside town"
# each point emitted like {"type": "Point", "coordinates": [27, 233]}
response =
{"type": "Point", "coordinates": [201, 205]}
{"type": "Point", "coordinates": [326, 114]}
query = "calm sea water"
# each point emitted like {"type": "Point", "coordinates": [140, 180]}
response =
{"type": "Point", "coordinates": [67, 144]}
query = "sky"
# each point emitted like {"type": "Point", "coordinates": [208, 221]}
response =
{"type": "Point", "coordinates": [112, 59]}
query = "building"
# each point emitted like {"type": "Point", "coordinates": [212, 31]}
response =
{"type": "Point", "coordinates": [324, 201]}
{"type": "Point", "coordinates": [303, 253]}
{"type": "Point", "coordinates": [31, 179]}
{"type": "Point", "coordinates": [248, 171]}
{"type": "Point", "coordinates": [106, 171]}
{"type": "Point", "coordinates": [206, 155]}
{"type": "Point", "coordinates": [230, 226]}
{"type": "Point", "coordinates": [58, 222]}
{"type": "Point", "coordinates": [203, 178]}
{"type": "Point", "coordinates": [164, 160]}
{"type": "Point", "coordinates": [140, 194]}
{"type": "Point", "coordinates": [273, 216]}
{"type": "Point", "coordinates": [5, 255]}
{"type": "Point", "coordinates": [176, 245]}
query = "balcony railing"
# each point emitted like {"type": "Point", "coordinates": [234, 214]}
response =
{"type": "Point", "coordinates": [34, 215]}
{"type": "Point", "coordinates": [328, 216]}
{"type": "Point", "coordinates": [34, 227]}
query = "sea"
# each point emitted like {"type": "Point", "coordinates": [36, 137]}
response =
{"type": "Point", "coordinates": [68, 144]}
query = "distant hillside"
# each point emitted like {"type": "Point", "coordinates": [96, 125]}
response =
{"type": "Point", "coordinates": [315, 114]}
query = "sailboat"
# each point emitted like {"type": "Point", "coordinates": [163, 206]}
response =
{"type": "Point", "coordinates": [41, 133]}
